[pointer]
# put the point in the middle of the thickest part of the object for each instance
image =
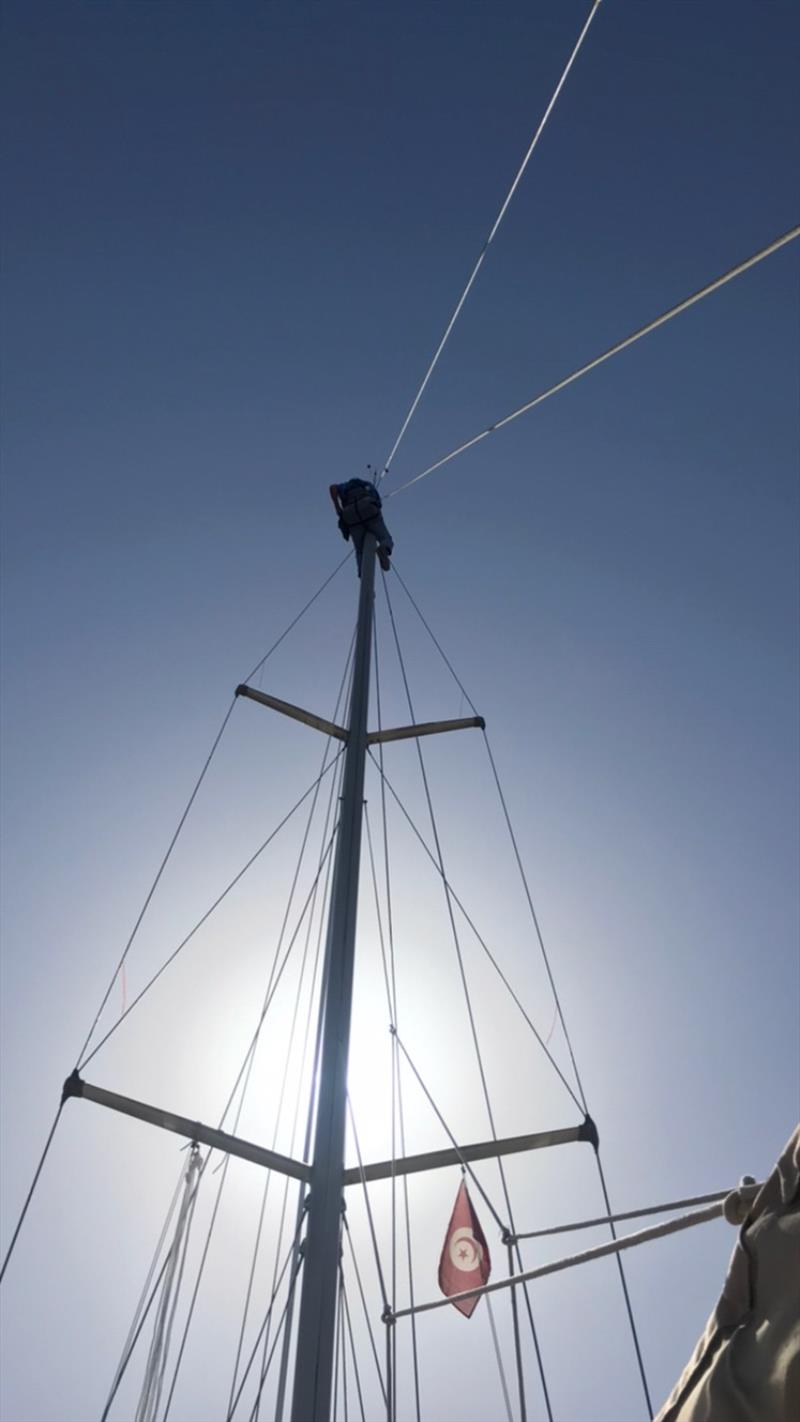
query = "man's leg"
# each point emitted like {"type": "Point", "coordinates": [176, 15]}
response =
{"type": "Point", "coordinates": [357, 535]}
{"type": "Point", "coordinates": [377, 526]}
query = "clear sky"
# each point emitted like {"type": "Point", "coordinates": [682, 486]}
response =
{"type": "Point", "coordinates": [233, 235]}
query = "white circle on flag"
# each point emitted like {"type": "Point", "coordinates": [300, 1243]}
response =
{"type": "Point", "coordinates": [464, 1250]}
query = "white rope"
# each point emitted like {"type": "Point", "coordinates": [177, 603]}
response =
{"type": "Point", "coordinates": [713, 1198]}
{"type": "Point", "coordinates": [501, 214]}
{"type": "Point", "coordinates": [159, 1345]}
{"type": "Point", "coordinates": [600, 1251]}
{"type": "Point", "coordinates": [606, 355]}
{"type": "Point", "coordinates": [499, 1357]}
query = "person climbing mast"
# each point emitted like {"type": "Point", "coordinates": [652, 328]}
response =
{"type": "Point", "coordinates": [358, 504]}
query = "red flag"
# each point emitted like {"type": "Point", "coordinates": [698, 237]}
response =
{"type": "Point", "coordinates": [465, 1262]}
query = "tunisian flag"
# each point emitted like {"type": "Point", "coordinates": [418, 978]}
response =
{"type": "Point", "coordinates": [465, 1262]}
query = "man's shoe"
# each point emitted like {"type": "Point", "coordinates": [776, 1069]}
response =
{"type": "Point", "coordinates": [384, 559]}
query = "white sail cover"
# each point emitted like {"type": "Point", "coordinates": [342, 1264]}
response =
{"type": "Point", "coordinates": [746, 1367]}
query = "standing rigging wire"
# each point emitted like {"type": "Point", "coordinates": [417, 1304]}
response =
{"type": "Point", "coordinates": [269, 1173]}
{"type": "Point", "coordinates": [397, 1109]}
{"type": "Point", "coordinates": [242, 1070]}
{"type": "Point", "coordinates": [81, 1058]}
{"type": "Point", "coordinates": [272, 983]}
{"type": "Point", "coordinates": [267, 1316]}
{"type": "Point", "coordinates": [373, 1234]}
{"type": "Point", "coordinates": [282, 1325]}
{"type": "Point", "coordinates": [268, 1001]}
{"type": "Point", "coordinates": [482, 942]}
{"type": "Point", "coordinates": [557, 1000]}
{"type": "Point", "coordinates": [35, 1181]}
{"type": "Point", "coordinates": [149, 1277]}
{"type": "Point", "coordinates": [345, 1409]}
{"type": "Point", "coordinates": [127, 1357]}
{"type": "Point", "coordinates": [398, 1115]}
{"type": "Point", "coordinates": [395, 1050]}
{"type": "Point", "coordinates": [335, 793]}
{"type": "Point", "coordinates": [517, 856]}
{"type": "Point", "coordinates": [320, 590]}
{"type": "Point", "coordinates": [468, 1002]}
{"type": "Point", "coordinates": [231, 885]}
{"type": "Point", "coordinates": [336, 1352]}
{"type": "Point", "coordinates": [156, 1365]}
{"type": "Point", "coordinates": [190, 802]}
{"type": "Point", "coordinates": [149, 896]}
{"type": "Point", "coordinates": [622, 345]}
{"type": "Point", "coordinates": [349, 1327]}
{"type": "Point", "coordinates": [334, 790]}
{"type": "Point", "coordinates": [499, 1357]}
{"type": "Point", "coordinates": [306, 1149]}
{"type": "Point", "coordinates": [191, 1187]}
{"type": "Point", "coordinates": [492, 234]}
{"type": "Point", "coordinates": [466, 1166]}
{"type": "Point", "coordinates": [367, 1318]}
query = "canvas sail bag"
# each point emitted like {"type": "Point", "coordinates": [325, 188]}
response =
{"type": "Point", "coordinates": [746, 1367]}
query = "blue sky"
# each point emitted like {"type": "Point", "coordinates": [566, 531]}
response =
{"type": "Point", "coordinates": [233, 235]}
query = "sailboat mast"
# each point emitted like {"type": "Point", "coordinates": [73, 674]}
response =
{"type": "Point", "coordinates": [311, 1400]}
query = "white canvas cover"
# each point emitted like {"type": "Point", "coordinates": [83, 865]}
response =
{"type": "Point", "coordinates": [746, 1367]}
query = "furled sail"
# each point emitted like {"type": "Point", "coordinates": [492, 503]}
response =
{"type": "Point", "coordinates": [747, 1362]}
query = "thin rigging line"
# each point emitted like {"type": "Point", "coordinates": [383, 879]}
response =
{"type": "Point", "coordinates": [624, 1284]}
{"type": "Point", "coordinates": [352, 1344]}
{"type": "Point", "coordinates": [121, 1369]}
{"type": "Point", "coordinates": [80, 1061]}
{"type": "Point", "coordinates": [599, 1251]}
{"type": "Point", "coordinates": [374, 1236]}
{"type": "Point", "coordinates": [493, 233]}
{"type": "Point", "coordinates": [517, 855]}
{"type": "Point", "coordinates": [465, 1164]}
{"type": "Point", "coordinates": [302, 1199]}
{"type": "Point", "coordinates": [437, 644]}
{"type": "Point", "coordinates": [154, 1262]}
{"type": "Point", "coordinates": [460, 906]}
{"type": "Point", "coordinates": [207, 914]}
{"type": "Point", "coordinates": [156, 1364]}
{"type": "Point", "coordinates": [336, 1353]}
{"type": "Point", "coordinates": [559, 1010]}
{"type": "Point", "coordinates": [269, 1000]}
{"type": "Point", "coordinates": [301, 613]}
{"type": "Point", "coordinates": [397, 1101]}
{"type": "Point", "coordinates": [535, 920]}
{"type": "Point", "coordinates": [523, 1411]}
{"type": "Point", "coordinates": [188, 807]}
{"type": "Point", "coordinates": [251, 1049]}
{"type": "Point", "coordinates": [710, 1199]}
{"type": "Point", "coordinates": [499, 1357]}
{"type": "Point", "coordinates": [468, 1001]}
{"type": "Point", "coordinates": [622, 345]}
{"type": "Point", "coordinates": [265, 1369]}
{"type": "Point", "coordinates": [246, 1372]}
{"type": "Point", "coordinates": [155, 883]}
{"type": "Point", "coordinates": [398, 1112]}
{"type": "Point", "coordinates": [344, 1347]}
{"type": "Point", "coordinates": [281, 1098]}
{"type": "Point", "coordinates": [367, 1318]}
{"type": "Point", "coordinates": [295, 1014]}
{"type": "Point", "coordinates": [335, 787]}
{"type": "Point", "coordinates": [34, 1183]}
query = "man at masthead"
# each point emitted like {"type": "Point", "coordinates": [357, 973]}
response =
{"type": "Point", "coordinates": [358, 504]}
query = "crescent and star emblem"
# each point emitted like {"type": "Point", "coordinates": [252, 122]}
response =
{"type": "Point", "coordinates": [465, 1251]}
